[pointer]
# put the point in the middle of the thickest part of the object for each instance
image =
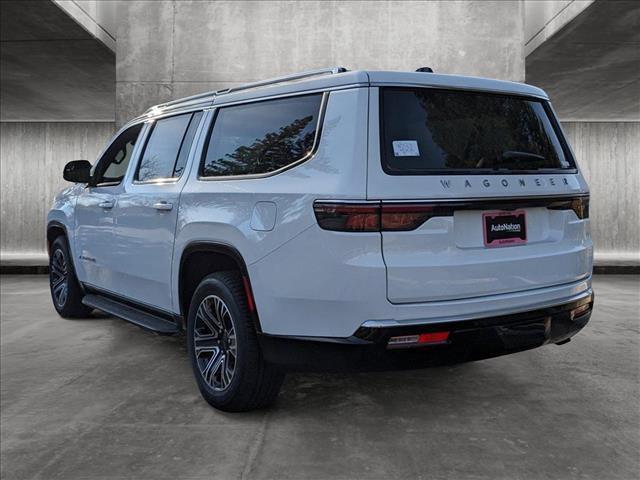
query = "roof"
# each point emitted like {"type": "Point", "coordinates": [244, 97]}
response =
{"type": "Point", "coordinates": [337, 78]}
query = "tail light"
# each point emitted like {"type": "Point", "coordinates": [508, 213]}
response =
{"type": "Point", "coordinates": [402, 217]}
{"type": "Point", "coordinates": [398, 217]}
{"type": "Point", "coordinates": [375, 217]}
{"type": "Point", "coordinates": [348, 217]}
{"type": "Point", "coordinates": [580, 205]}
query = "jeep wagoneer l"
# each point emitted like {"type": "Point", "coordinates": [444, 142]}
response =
{"type": "Point", "coordinates": [332, 219]}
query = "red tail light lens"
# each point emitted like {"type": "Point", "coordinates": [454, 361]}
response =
{"type": "Point", "coordinates": [374, 217]}
{"type": "Point", "coordinates": [580, 205]}
{"type": "Point", "coordinates": [348, 217]}
{"type": "Point", "coordinates": [398, 217]}
{"type": "Point", "coordinates": [405, 217]}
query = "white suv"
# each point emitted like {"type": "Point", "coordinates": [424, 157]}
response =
{"type": "Point", "coordinates": [332, 219]}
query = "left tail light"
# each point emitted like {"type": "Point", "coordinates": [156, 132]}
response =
{"type": "Point", "coordinates": [375, 217]}
{"type": "Point", "coordinates": [348, 217]}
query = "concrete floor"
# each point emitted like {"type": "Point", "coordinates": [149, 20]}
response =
{"type": "Point", "coordinates": [100, 398]}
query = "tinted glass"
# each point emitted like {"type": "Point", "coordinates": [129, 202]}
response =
{"type": "Point", "coordinates": [261, 137]}
{"type": "Point", "coordinates": [161, 152]}
{"type": "Point", "coordinates": [112, 166]}
{"type": "Point", "coordinates": [426, 130]}
{"type": "Point", "coordinates": [186, 144]}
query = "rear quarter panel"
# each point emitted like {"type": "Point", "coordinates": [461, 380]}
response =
{"type": "Point", "coordinates": [221, 210]}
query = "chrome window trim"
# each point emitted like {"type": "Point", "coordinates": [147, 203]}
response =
{"type": "Point", "coordinates": [135, 154]}
{"type": "Point", "coordinates": [151, 125]}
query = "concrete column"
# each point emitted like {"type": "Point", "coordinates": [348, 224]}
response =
{"type": "Point", "coordinates": [607, 153]}
{"type": "Point", "coordinates": [170, 49]}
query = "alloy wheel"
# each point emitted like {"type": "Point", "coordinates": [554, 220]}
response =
{"type": "Point", "coordinates": [214, 343]}
{"type": "Point", "coordinates": [59, 278]}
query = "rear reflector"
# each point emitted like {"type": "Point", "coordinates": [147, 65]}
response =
{"type": "Point", "coordinates": [581, 310]}
{"type": "Point", "coordinates": [251, 306]}
{"type": "Point", "coordinates": [434, 337]}
{"type": "Point", "coordinates": [419, 340]}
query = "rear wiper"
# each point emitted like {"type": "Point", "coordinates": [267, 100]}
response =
{"type": "Point", "coordinates": [513, 158]}
{"type": "Point", "coordinates": [515, 155]}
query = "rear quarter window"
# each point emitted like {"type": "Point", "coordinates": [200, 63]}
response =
{"type": "Point", "coordinates": [429, 131]}
{"type": "Point", "coordinates": [261, 137]}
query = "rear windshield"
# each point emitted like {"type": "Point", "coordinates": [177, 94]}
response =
{"type": "Point", "coordinates": [427, 131]}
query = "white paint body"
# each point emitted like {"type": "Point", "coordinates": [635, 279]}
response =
{"type": "Point", "coordinates": [312, 282]}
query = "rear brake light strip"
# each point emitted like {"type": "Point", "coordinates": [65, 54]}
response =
{"type": "Point", "coordinates": [377, 216]}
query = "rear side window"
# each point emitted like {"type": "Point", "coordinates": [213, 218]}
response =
{"type": "Point", "coordinates": [434, 131]}
{"type": "Point", "coordinates": [167, 149]}
{"type": "Point", "coordinates": [261, 137]}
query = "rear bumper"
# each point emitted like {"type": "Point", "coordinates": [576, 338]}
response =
{"type": "Point", "coordinates": [468, 340]}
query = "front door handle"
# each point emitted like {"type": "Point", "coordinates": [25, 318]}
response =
{"type": "Point", "coordinates": [106, 204]}
{"type": "Point", "coordinates": [163, 206]}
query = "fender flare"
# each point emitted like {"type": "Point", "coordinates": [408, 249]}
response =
{"type": "Point", "coordinates": [219, 248]}
{"type": "Point", "coordinates": [59, 225]}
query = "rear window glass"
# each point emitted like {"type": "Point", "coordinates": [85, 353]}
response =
{"type": "Point", "coordinates": [429, 131]}
{"type": "Point", "coordinates": [261, 137]}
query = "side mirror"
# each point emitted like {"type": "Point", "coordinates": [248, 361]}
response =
{"type": "Point", "coordinates": [78, 171]}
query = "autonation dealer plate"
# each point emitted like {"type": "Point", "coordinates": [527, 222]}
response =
{"type": "Point", "coordinates": [503, 228]}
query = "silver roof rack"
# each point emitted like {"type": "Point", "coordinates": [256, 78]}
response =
{"type": "Point", "coordinates": [210, 96]}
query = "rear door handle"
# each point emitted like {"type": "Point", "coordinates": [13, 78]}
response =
{"type": "Point", "coordinates": [106, 204]}
{"type": "Point", "coordinates": [163, 206]}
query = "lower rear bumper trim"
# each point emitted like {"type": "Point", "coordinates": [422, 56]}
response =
{"type": "Point", "coordinates": [468, 340]}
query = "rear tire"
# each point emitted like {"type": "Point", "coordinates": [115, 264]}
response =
{"type": "Point", "coordinates": [223, 347]}
{"type": "Point", "coordinates": [66, 293]}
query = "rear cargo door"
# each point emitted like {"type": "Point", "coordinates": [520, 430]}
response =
{"type": "Point", "coordinates": [479, 192]}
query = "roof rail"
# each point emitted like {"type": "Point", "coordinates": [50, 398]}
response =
{"type": "Point", "coordinates": [285, 78]}
{"type": "Point", "coordinates": [202, 97]}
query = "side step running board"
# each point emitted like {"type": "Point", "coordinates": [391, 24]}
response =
{"type": "Point", "coordinates": [145, 320]}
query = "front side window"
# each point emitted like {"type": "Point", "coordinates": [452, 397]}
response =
{"type": "Point", "coordinates": [112, 166]}
{"type": "Point", "coordinates": [261, 137]}
{"type": "Point", "coordinates": [427, 130]}
{"type": "Point", "coordinates": [167, 149]}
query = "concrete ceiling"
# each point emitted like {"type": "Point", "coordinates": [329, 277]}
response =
{"type": "Point", "coordinates": [591, 68]}
{"type": "Point", "coordinates": [50, 67]}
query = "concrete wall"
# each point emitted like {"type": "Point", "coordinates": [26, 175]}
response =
{"type": "Point", "coordinates": [51, 68]}
{"type": "Point", "coordinates": [169, 49]}
{"type": "Point", "coordinates": [544, 18]}
{"type": "Point", "coordinates": [608, 154]}
{"type": "Point", "coordinates": [32, 155]}
{"type": "Point", "coordinates": [96, 16]}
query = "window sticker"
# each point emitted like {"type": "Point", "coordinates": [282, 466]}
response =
{"type": "Point", "coordinates": [405, 148]}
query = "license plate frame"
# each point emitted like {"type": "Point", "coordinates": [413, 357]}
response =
{"type": "Point", "coordinates": [503, 228]}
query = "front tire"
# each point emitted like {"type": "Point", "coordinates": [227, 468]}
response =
{"type": "Point", "coordinates": [66, 293]}
{"type": "Point", "coordinates": [223, 347]}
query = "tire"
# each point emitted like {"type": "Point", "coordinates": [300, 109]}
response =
{"type": "Point", "coordinates": [66, 293]}
{"type": "Point", "coordinates": [229, 368]}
